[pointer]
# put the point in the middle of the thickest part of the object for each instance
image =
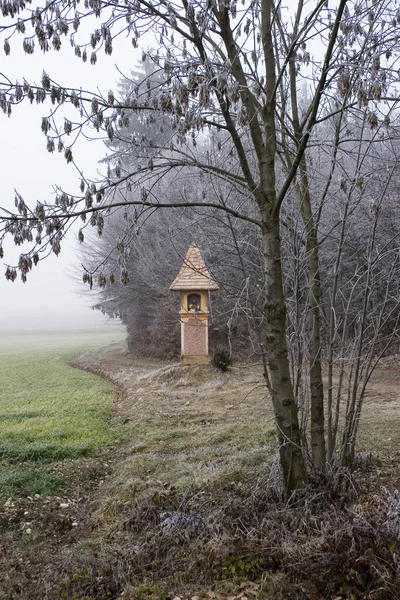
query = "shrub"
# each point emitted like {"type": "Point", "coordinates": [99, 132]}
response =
{"type": "Point", "coordinates": [221, 358]}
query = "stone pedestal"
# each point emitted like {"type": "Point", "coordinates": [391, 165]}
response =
{"type": "Point", "coordinates": [194, 331]}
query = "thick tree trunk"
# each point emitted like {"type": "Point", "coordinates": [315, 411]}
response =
{"type": "Point", "coordinates": [285, 409]}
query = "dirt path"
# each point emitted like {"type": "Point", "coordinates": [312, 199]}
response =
{"type": "Point", "coordinates": [380, 426]}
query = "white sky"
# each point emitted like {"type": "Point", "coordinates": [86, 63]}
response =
{"type": "Point", "coordinates": [49, 299]}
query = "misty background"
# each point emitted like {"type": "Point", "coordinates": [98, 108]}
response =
{"type": "Point", "coordinates": [52, 298]}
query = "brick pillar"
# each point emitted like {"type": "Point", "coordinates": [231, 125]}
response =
{"type": "Point", "coordinates": [194, 331]}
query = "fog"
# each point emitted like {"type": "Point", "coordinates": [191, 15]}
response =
{"type": "Point", "coordinates": [52, 298]}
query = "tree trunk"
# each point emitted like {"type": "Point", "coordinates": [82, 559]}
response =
{"type": "Point", "coordinates": [285, 409]}
{"type": "Point", "coordinates": [318, 447]}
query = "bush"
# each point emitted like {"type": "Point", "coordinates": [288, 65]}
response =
{"type": "Point", "coordinates": [221, 358]}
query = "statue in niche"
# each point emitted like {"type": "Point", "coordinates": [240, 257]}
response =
{"type": "Point", "coordinates": [193, 302]}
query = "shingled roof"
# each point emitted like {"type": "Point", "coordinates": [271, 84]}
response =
{"type": "Point", "coordinates": [194, 274]}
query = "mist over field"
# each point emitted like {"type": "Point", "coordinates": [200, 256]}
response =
{"type": "Point", "coordinates": [53, 299]}
{"type": "Point", "coordinates": [49, 319]}
{"type": "Point", "coordinates": [53, 322]}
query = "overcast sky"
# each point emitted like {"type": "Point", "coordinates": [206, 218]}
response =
{"type": "Point", "coordinates": [50, 297]}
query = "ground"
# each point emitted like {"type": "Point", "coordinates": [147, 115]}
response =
{"type": "Point", "coordinates": [187, 504]}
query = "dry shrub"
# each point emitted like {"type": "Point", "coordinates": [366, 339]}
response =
{"type": "Point", "coordinates": [315, 547]}
{"type": "Point", "coordinates": [161, 336]}
{"type": "Point", "coordinates": [246, 532]}
{"type": "Point", "coordinates": [221, 358]}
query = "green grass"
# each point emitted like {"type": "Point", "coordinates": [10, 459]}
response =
{"type": "Point", "coordinates": [48, 410]}
{"type": "Point", "coordinates": [31, 480]}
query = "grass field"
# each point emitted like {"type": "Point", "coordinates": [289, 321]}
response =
{"type": "Point", "coordinates": [48, 410]}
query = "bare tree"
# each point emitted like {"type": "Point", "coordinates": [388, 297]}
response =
{"type": "Point", "coordinates": [354, 196]}
{"type": "Point", "coordinates": [235, 70]}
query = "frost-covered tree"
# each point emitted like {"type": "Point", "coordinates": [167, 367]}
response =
{"type": "Point", "coordinates": [234, 70]}
{"type": "Point", "coordinates": [155, 242]}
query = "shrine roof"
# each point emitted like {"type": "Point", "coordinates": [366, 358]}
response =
{"type": "Point", "coordinates": [194, 274]}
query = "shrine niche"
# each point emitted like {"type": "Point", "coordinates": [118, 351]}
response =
{"type": "Point", "coordinates": [194, 283]}
{"type": "Point", "coordinates": [194, 302]}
